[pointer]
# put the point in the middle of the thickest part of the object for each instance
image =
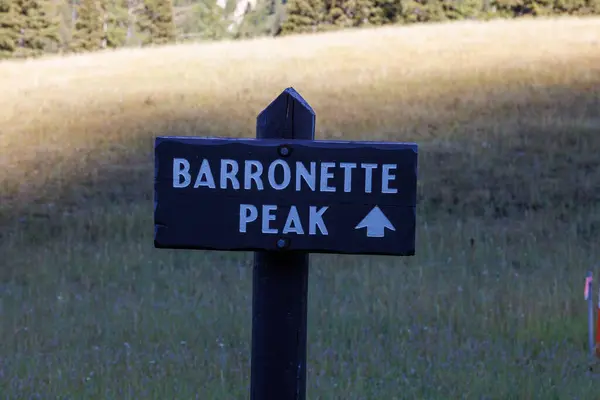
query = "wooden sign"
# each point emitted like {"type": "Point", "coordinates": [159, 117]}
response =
{"type": "Point", "coordinates": [284, 195]}
{"type": "Point", "coordinates": [277, 194]}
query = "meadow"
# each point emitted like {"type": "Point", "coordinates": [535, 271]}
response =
{"type": "Point", "coordinates": [507, 118]}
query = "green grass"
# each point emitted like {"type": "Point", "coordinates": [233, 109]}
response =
{"type": "Point", "coordinates": [491, 306]}
{"type": "Point", "coordinates": [110, 317]}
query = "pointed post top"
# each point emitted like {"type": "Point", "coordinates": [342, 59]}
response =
{"type": "Point", "coordinates": [289, 116]}
{"type": "Point", "coordinates": [297, 97]}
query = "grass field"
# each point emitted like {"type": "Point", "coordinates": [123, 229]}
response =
{"type": "Point", "coordinates": [507, 117]}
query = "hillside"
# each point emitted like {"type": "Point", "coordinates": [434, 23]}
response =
{"type": "Point", "coordinates": [39, 27]}
{"type": "Point", "coordinates": [506, 117]}
{"type": "Point", "coordinates": [480, 91]}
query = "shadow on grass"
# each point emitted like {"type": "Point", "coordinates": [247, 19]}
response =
{"type": "Point", "coordinates": [497, 161]}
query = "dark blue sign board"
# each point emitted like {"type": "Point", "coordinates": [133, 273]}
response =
{"type": "Point", "coordinates": [285, 195]}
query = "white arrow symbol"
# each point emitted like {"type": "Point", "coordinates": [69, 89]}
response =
{"type": "Point", "coordinates": [375, 222]}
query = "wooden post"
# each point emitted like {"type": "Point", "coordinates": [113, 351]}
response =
{"type": "Point", "coordinates": [590, 300]}
{"type": "Point", "coordinates": [373, 213]}
{"type": "Point", "coordinates": [280, 279]}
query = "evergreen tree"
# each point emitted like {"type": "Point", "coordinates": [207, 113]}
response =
{"type": "Point", "coordinates": [134, 8]}
{"type": "Point", "coordinates": [508, 8]}
{"type": "Point", "coordinates": [304, 16]}
{"type": "Point", "coordinates": [204, 20]}
{"type": "Point", "coordinates": [577, 7]}
{"type": "Point", "coordinates": [265, 19]}
{"type": "Point", "coordinates": [9, 29]}
{"type": "Point", "coordinates": [538, 7]}
{"type": "Point", "coordinates": [89, 27]}
{"type": "Point", "coordinates": [385, 12]}
{"type": "Point", "coordinates": [115, 23]}
{"type": "Point", "coordinates": [462, 9]}
{"type": "Point", "coordinates": [67, 17]}
{"type": "Point", "coordinates": [156, 20]}
{"type": "Point", "coordinates": [422, 11]}
{"type": "Point", "coordinates": [38, 27]}
{"type": "Point", "coordinates": [347, 13]}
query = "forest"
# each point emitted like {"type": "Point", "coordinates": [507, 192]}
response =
{"type": "Point", "coordinates": [31, 28]}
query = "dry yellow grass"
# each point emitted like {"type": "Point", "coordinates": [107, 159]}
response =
{"type": "Point", "coordinates": [59, 117]}
{"type": "Point", "coordinates": [506, 114]}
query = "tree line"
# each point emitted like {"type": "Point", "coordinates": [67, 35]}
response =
{"type": "Point", "coordinates": [320, 15]}
{"type": "Point", "coordinates": [29, 28]}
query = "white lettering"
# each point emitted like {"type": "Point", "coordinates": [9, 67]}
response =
{"type": "Point", "coordinates": [248, 213]}
{"type": "Point", "coordinates": [181, 167]}
{"type": "Point", "coordinates": [347, 175]}
{"type": "Point", "coordinates": [250, 176]}
{"type": "Point", "coordinates": [229, 174]}
{"type": "Point", "coordinates": [287, 175]}
{"type": "Point", "coordinates": [387, 177]}
{"type": "Point", "coordinates": [310, 178]}
{"type": "Point", "coordinates": [205, 173]}
{"type": "Point", "coordinates": [316, 220]}
{"type": "Point", "coordinates": [279, 175]}
{"type": "Point", "coordinates": [267, 217]}
{"type": "Point", "coordinates": [368, 176]}
{"type": "Point", "coordinates": [325, 176]}
{"type": "Point", "coordinates": [293, 223]}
